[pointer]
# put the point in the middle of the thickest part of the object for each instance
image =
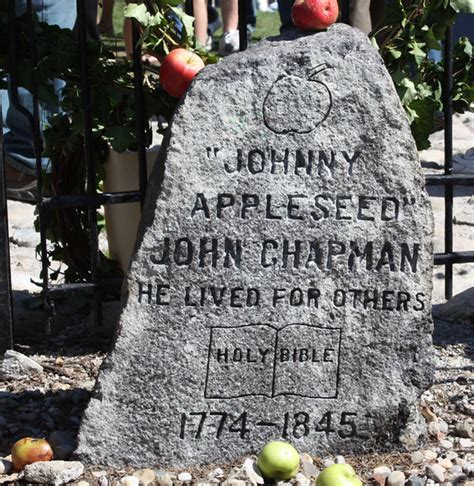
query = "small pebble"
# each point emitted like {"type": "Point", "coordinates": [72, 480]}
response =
{"type": "Point", "coordinates": [456, 471]}
{"type": "Point", "coordinates": [396, 478]}
{"type": "Point", "coordinates": [446, 444]}
{"type": "Point", "coordinates": [99, 474]}
{"type": "Point", "coordinates": [463, 429]}
{"type": "Point", "coordinates": [429, 455]}
{"type": "Point", "coordinates": [301, 480]}
{"type": "Point", "coordinates": [83, 483]}
{"type": "Point", "coordinates": [5, 466]}
{"type": "Point", "coordinates": [103, 481]}
{"type": "Point", "coordinates": [466, 443]}
{"type": "Point", "coordinates": [234, 482]}
{"type": "Point", "coordinates": [417, 457]}
{"type": "Point", "coordinates": [436, 472]}
{"type": "Point", "coordinates": [446, 463]}
{"type": "Point", "coordinates": [459, 461]}
{"type": "Point", "coordinates": [217, 473]}
{"type": "Point", "coordinates": [340, 460]}
{"type": "Point", "coordinates": [382, 470]}
{"type": "Point", "coordinates": [468, 469]}
{"type": "Point", "coordinates": [163, 478]}
{"type": "Point", "coordinates": [145, 476]}
{"type": "Point", "coordinates": [130, 481]}
{"type": "Point", "coordinates": [184, 477]}
{"type": "Point", "coordinates": [415, 481]}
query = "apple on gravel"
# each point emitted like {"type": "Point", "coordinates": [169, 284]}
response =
{"type": "Point", "coordinates": [338, 475]}
{"type": "Point", "coordinates": [279, 460]}
{"type": "Point", "coordinates": [314, 14]}
{"type": "Point", "coordinates": [178, 70]}
{"type": "Point", "coordinates": [28, 450]}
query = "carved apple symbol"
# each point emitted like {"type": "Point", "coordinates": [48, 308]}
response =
{"type": "Point", "coordinates": [297, 105]}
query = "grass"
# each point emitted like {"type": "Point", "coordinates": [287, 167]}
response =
{"type": "Point", "coordinates": [268, 24]}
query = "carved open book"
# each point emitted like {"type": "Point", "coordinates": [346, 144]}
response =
{"type": "Point", "coordinates": [298, 359]}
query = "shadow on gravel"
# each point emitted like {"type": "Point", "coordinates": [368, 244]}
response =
{"type": "Point", "coordinates": [32, 413]}
{"type": "Point", "coordinates": [68, 330]}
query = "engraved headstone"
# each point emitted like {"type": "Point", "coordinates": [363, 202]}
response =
{"type": "Point", "coordinates": [281, 287]}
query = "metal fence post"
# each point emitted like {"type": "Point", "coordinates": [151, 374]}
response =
{"type": "Point", "coordinates": [6, 315]}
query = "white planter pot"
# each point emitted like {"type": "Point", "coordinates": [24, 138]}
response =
{"type": "Point", "coordinates": [122, 220]}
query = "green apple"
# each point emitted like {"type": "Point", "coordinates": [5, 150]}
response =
{"type": "Point", "coordinates": [279, 460]}
{"type": "Point", "coordinates": [338, 475]}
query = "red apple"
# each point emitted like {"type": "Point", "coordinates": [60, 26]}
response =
{"type": "Point", "coordinates": [314, 14]}
{"type": "Point", "coordinates": [26, 451]}
{"type": "Point", "coordinates": [178, 70]}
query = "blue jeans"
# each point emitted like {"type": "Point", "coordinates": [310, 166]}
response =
{"type": "Point", "coordinates": [17, 132]}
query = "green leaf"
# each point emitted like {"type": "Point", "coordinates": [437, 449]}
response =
{"type": "Point", "coordinates": [423, 124]}
{"type": "Point", "coordinates": [417, 52]}
{"type": "Point", "coordinates": [173, 3]}
{"type": "Point", "coordinates": [407, 91]}
{"type": "Point", "coordinates": [120, 137]}
{"type": "Point", "coordinates": [465, 6]}
{"type": "Point", "coordinates": [137, 12]}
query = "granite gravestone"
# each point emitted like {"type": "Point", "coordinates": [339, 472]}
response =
{"type": "Point", "coordinates": [281, 287]}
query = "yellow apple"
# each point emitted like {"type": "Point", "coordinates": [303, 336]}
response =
{"type": "Point", "coordinates": [279, 460]}
{"type": "Point", "coordinates": [338, 475]}
{"type": "Point", "coordinates": [26, 451]}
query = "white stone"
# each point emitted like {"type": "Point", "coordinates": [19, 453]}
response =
{"type": "Point", "coordinates": [184, 476]}
{"type": "Point", "coordinates": [301, 480]}
{"type": "Point", "coordinates": [468, 469]}
{"type": "Point", "coordinates": [130, 481]}
{"type": "Point", "coordinates": [435, 472]}
{"type": "Point", "coordinates": [417, 457]}
{"type": "Point", "coordinates": [251, 472]}
{"type": "Point", "coordinates": [15, 365]}
{"type": "Point", "coordinates": [382, 471]}
{"type": "Point", "coordinates": [145, 476]}
{"type": "Point", "coordinates": [446, 444]}
{"type": "Point", "coordinates": [53, 472]}
{"type": "Point", "coordinates": [466, 443]}
{"type": "Point", "coordinates": [340, 460]}
{"type": "Point", "coordinates": [446, 463]}
{"type": "Point", "coordinates": [5, 466]}
{"type": "Point", "coordinates": [396, 478]}
{"type": "Point", "coordinates": [430, 455]}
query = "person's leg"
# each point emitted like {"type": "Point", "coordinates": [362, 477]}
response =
{"type": "Point", "coordinates": [106, 25]}
{"type": "Point", "coordinates": [230, 41]}
{"type": "Point", "coordinates": [18, 137]}
{"type": "Point", "coordinates": [359, 15]}
{"type": "Point", "coordinates": [200, 20]}
{"type": "Point", "coordinates": [230, 15]}
{"type": "Point", "coordinates": [284, 9]}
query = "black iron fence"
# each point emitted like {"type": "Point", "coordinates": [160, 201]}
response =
{"type": "Point", "coordinates": [92, 200]}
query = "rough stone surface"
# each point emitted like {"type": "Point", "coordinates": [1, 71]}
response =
{"type": "Point", "coordinates": [229, 338]}
{"type": "Point", "coordinates": [53, 472]}
{"type": "Point", "coordinates": [14, 365]}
